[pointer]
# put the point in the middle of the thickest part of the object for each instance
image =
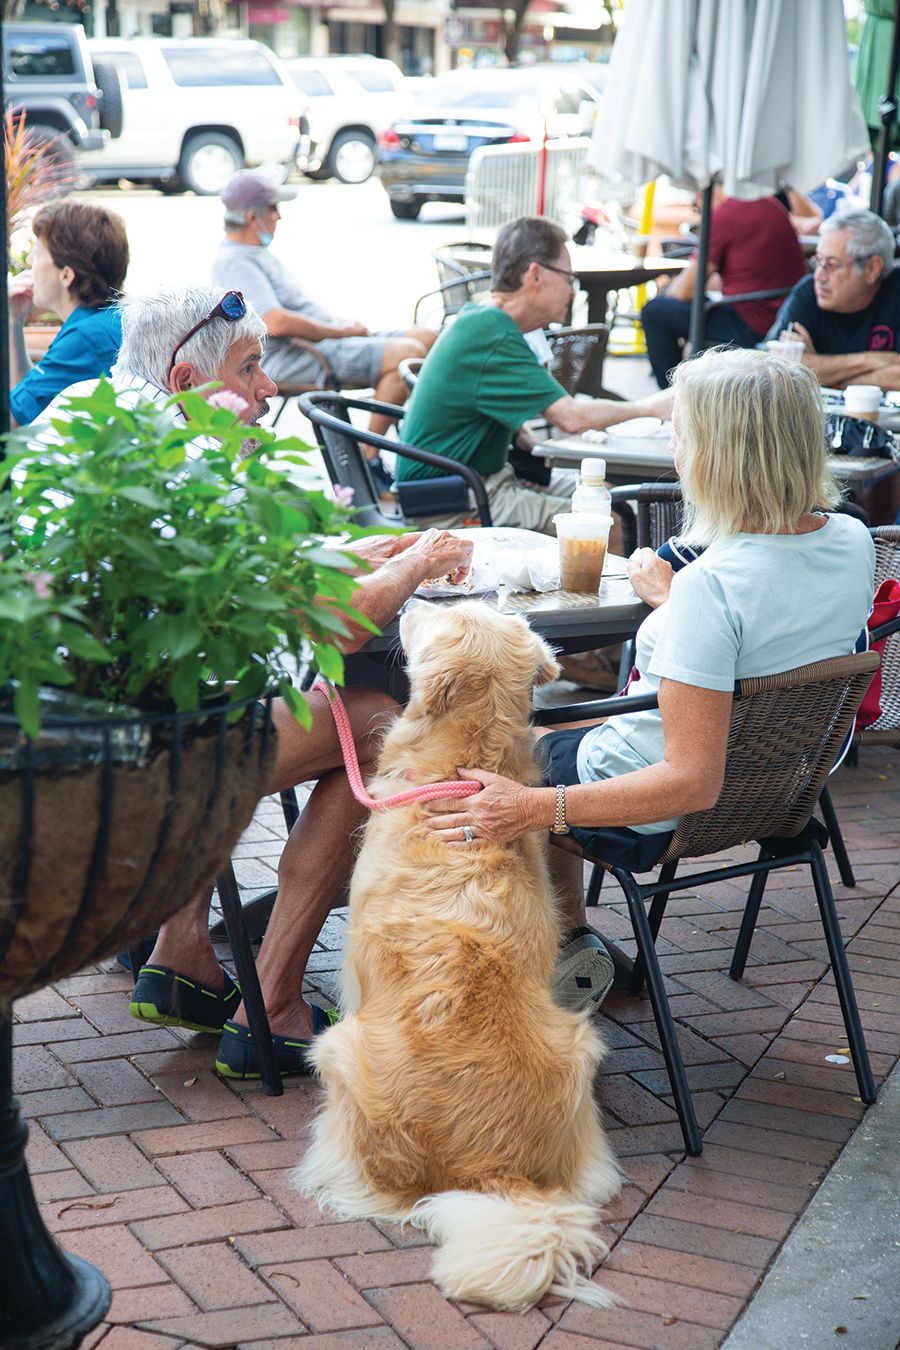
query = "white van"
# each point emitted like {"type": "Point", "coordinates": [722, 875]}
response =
{"type": "Point", "coordinates": [196, 111]}
{"type": "Point", "coordinates": [350, 101]}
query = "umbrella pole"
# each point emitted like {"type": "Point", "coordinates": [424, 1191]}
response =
{"type": "Point", "coordinates": [887, 111]}
{"type": "Point", "coordinates": [698, 304]}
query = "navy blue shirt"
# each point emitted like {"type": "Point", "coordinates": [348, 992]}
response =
{"type": "Point", "coordinates": [84, 348]}
{"type": "Point", "coordinates": [873, 329]}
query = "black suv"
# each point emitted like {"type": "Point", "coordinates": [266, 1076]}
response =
{"type": "Point", "coordinates": [66, 98]}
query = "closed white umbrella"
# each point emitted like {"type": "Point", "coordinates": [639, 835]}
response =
{"type": "Point", "coordinates": [757, 91]}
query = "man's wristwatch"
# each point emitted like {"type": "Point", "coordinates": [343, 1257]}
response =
{"type": "Point", "coordinates": [559, 825]}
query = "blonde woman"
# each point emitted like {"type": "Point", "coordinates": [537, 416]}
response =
{"type": "Point", "coordinates": [780, 583]}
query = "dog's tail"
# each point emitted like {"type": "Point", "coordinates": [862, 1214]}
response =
{"type": "Point", "coordinates": [510, 1250]}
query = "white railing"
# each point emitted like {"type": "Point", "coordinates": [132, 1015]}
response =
{"type": "Point", "coordinates": [502, 183]}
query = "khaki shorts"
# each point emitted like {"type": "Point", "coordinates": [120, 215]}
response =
{"type": "Point", "coordinates": [514, 504]}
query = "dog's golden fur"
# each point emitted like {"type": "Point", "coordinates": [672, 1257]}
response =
{"type": "Point", "coordinates": [453, 1075]}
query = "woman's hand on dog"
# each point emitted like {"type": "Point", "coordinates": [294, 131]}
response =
{"type": "Point", "coordinates": [502, 811]}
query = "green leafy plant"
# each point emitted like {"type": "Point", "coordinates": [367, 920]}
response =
{"type": "Point", "coordinates": [150, 565]}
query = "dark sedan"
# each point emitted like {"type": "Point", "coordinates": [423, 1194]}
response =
{"type": "Point", "coordinates": [424, 157]}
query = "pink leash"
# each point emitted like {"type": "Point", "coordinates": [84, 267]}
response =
{"type": "Point", "coordinates": [428, 792]}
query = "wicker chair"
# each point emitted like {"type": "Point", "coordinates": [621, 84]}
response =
{"type": "Point", "coordinates": [577, 360]}
{"type": "Point", "coordinates": [786, 731]}
{"type": "Point", "coordinates": [651, 513]}
{"type": "Point", "coordinates": [886, 731]}
{"type": "Point", "coordinates": [339, 440]}
{"type": "Point", "coordinates": [458, 281]}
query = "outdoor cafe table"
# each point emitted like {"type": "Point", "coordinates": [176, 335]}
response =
{"type": "Point", "coordinates": [600, 272]}
{"type": "Point", "coordinates": [570, 622]}
{"type": "Point", "coordinates": [632, 459]}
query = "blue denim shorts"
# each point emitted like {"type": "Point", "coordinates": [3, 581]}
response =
{"type": "Point", "coordinates": [558, 753]}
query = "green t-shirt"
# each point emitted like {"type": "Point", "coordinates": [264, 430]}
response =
{"type": "Point", "coordinates": [481, 381]}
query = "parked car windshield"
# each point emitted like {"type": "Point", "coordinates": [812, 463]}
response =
{"type": "Point", "coordinates": [192, 68]}
{"type": "Point", "coordinates": [476, 93]}
{"type": "Point", "coordinates": [311, 82]}
{"type": "Point", "coordinates": [373, 81]}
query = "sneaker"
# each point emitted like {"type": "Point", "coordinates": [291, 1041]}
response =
{"type": "Point", "coordinates": [163, 996]}
{"type": "Point", "coordinates": [237, 1057]}
{"type": "Point", "coordinates": [584, 971]}
{"type": "Point", "coordinates": [384, 484]}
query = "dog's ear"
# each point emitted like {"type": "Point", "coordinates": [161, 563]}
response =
{"type": "Point", "coordinates": [436, 686]}
{"type": "Point", "coordinates": [548, 666]}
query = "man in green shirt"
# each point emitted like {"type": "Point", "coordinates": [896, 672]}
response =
{"type": "Point", "coordinates": [482, 381]}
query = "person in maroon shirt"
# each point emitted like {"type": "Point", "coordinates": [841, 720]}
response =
{"type": "Point", "coordinates": [753, 246]}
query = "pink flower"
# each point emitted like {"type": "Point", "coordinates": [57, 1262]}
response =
{"type": "Point", "coordinates": [41, 583]}
{"type": "Point", "coordinates": [342, 495]}
{"type": "Point", "coordinates": [227, 398]}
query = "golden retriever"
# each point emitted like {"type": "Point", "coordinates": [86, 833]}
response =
{"type": "Point", "coordinates": [458, 1094]}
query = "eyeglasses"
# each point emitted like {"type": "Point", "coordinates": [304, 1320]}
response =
{"type": "Point", "coordinates": [831, 265]}
{"type": "Point", "coordinates": [564, 272]}
{"type": "Point", "coordinates": [230, 307]}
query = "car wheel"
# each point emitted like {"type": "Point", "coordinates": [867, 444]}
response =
{"type": "Point", "coordinates": [406, 210]}
{"type": "Point", "coordinates": [168, 186]}
{"type": "Point", "coordinates": [111, 84]}
{"type": "Point", "coordinates": [207, 162]}
{"type": "Point", "coordinates": [351, 158]}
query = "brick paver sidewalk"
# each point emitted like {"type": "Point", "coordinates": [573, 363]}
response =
{"type": "Point", "coordinates": [176, 1184]}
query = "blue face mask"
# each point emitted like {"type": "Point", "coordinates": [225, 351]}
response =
{"type": "Point", "coordinates": [265, 239]}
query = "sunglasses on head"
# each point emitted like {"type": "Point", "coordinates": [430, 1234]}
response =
{"type": "Point", "coordinates": [230, 307]}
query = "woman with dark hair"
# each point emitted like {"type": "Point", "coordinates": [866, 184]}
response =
{"type": "Point", "coordinates": [77, 269]}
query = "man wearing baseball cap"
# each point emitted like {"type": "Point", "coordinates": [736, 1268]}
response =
{"type": "Point", "coordinates": [360, 359]}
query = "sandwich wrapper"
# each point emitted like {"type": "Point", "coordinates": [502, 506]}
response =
{"type": "Point", "coordinates": [506, 561]}
{"type": "Point", "coordinates": [510, 561]}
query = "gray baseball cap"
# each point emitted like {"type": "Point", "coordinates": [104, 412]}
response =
{"type": "Point", "coordinates": [248, 191]}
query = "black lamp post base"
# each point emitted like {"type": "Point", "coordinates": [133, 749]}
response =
{"type": "Point", "coordinates": [88, 1301]}
{"type": "Point", "coordinates": [48, 1299]}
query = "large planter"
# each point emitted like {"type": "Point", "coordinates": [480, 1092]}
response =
{"type": "Point", "coordinates": [107, 827]}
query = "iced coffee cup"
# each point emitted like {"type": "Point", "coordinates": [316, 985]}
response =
{"type": "Point", "coordinates": [862, 400]}
{"type": "Point", "coordinates": [789, 349]}
{"type": "Point", "coordinates": [583, 538]}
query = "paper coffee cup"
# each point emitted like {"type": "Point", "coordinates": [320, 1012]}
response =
{"type": "Point", "coordinates": [583, 538]}
{"type": "Point", "coordinates": [862, 400]}
{"type": "Point", "coordinates": [789, 349]}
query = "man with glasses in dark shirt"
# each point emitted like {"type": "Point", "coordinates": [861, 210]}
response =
{"type": "Point", "coordinates": [847, 314]}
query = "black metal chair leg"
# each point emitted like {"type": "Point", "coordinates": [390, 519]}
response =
{"type": "Point", "coordinates": [248, 979]}
{"type": "Point", "coordinates": [594, 885]}
{"type": "Point", "coordinates": [290, 807]}
{"type": "Point", "coordinates": [841, 970]}
{"type": "Point", "coordinates": [662, 1013]}
{"type": "Point", "coordinates": [839, 848]}
{"type": "Point", "coordinates": [748, 922]}
{"type": "Point", "coordinates": [657, 910]}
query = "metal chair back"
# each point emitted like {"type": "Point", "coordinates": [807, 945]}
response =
{"type": "Point", "coordinates": [409, 369]}
{"type": "Point", "coordinates": [578, 355]}
{"type": "Point", "coordinates": [786, 732]}
{"type": "Point", "coordinates": [651, 513]}
{"type": "Point", "coordinates": [340, 441]}
{"type": "Point", "coordinates": [345, 462]}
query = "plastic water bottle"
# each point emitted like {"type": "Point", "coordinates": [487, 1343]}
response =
{"type": "Point", "coordinates": [591, 497]}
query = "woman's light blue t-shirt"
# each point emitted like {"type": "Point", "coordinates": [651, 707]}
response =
{"type": "Point", "coordinates": [754, 604]}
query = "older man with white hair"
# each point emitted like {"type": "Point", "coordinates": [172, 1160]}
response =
{"type": "Point", "coordinates": [181, 339]}
{"type": "Point", "coordinates": [196, 339]}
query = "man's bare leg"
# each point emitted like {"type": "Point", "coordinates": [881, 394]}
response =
{"type": "Point", "coordinates": [391, 386]}
{"type": "Point", "coordinates": [315, 864]}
